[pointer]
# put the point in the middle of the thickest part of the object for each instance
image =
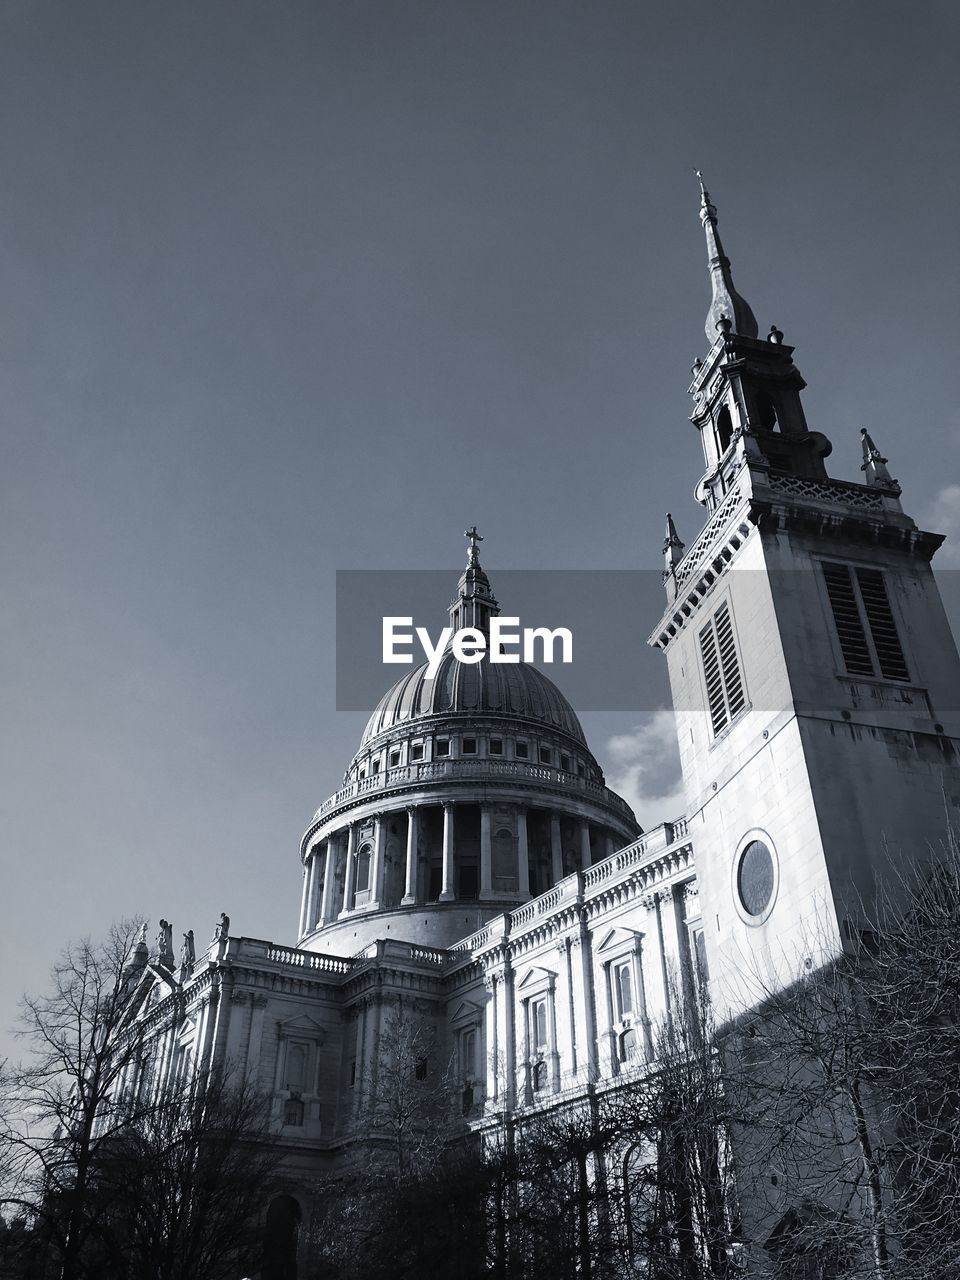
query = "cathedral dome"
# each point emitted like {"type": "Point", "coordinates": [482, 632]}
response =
{"type": "Point", "coordinates": [516, 690]}
{"type": "Point", "coordinates": [472, 790]}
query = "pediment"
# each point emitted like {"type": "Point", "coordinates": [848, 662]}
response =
{"type": "Point", "coordinates": [303, 1025]}
{"type": "Point", "coordinates": [467, 1013]}
{"type": "Point", "coordinates": [537, 977]}
{"type": "Point", "coordinates": [617, 938]}
{"type": "Point", "coordinates": [187, 1029]}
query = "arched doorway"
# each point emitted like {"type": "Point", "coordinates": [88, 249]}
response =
{"type": "Point", "coordinates": [281, 1234]}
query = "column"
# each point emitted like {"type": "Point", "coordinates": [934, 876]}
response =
{"type": "Point", "coordinates": [376, 871]}
{"type": "Point", "coordinates": [303, 901]}
{"type": "Point", "coordinates": [556, 849]}
{"type": "Point", "coordinates": [491, 1043]}
{"type": "Point", "coordinates": [609, 845]}
{"type": "Point", "coordinates": [583, 980]}
{"type": "Point", "coordinates": [523, 855]}
{"type": "Point", "coordinates": [566, 965]}
{"type": "Point", "coordinates": [447, 889]}
{"type": "Point", "coordinates": [258, 1008]}
{"type": "Point", "coordinates": [360, 1046]}
{"type": "Point", "coordinates": [350, 872]}
{"type": "Point", "coordinates": [674, 943]}
{"type": "Point", "coordinates": [586, 853]}
{"type": "Point", "coordinates": [508, 1023]}
{"type": "Point", "coordinates": [610, 1036]}
{"type": "Point", "coordinates": [327, 907]}
{"type": "Point", "coordinates": [313, 914]}
{"type": "Point", "coordinates": [486, 853]}
{"type": "Point", "coordinates": [654, 902]}
{"type": "Point", "coordinates": [309, 919]}
{"type": "Point", "coordinates": [413, 859]}
{"type": "Point", "coordinates": [552, 1034]}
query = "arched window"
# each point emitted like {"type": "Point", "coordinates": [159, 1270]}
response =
{"type": "Point", "coordinates": [628, 1045]}
{"type": "Point", "coordinates": [624, 990]}
{"type": "Point", "coordinates": [297, 1066]}
{"type": "Point", "coordinates": [724, 431]}
{"type": "Point", "coordinates": [538, 1025]}
{"type": "Point", "coordinates": [468, 1055]}
{"type": "Point", "coordinates": [766, 412]}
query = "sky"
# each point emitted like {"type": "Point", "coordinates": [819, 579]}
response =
{"type": "Point", "coordinates": [293, 287]}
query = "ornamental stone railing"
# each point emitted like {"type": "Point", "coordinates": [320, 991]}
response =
{"type": "Point", "coordinates": [840, 492]}
{"type": "Point", "coordinates": [447, 771]}
{"type": "Point", "coordinates": [701, 548]}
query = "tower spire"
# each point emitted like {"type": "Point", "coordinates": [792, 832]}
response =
{"type": "Point", "coordinates": [726, 304]}
{"type": "Point", "coordinates": [475, 602]}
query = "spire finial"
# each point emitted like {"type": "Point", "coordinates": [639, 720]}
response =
{"type": "Point", "coordinates": [473, 553]}
{"type": "Point", "coordinates": [726, 302]}
{"type": "Point", "coordinates": [874, 465]}
{"type": "Point", "coordinates": [672, 548]}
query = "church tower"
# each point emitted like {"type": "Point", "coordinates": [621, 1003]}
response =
{"type": "Point", "coordinates": [814, 674]}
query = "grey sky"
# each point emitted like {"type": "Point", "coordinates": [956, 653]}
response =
{"type": "Point", "coordinates": [292, 287]}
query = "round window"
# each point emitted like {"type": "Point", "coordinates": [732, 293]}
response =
{"type": "Point", "coordinates": [755, 878]}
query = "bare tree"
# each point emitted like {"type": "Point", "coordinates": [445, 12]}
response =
{"type": "Point", "coordinates": [849, 1080]}
{"type": "Point", "coordinates": [114, 1173]}
{"type": "Point", "coordinates": [410, 1203]}
{"type": "Point", "coordinates": [178, 1194]}
{"type": "Point", "coordinates": [408, 1096]}
{"type": "Point", "coordinates": [66, 1104]}
{"type": "Point", "coordinates": [680, 1209]}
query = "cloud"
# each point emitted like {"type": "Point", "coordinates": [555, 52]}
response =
{"type": "Point", "coordinates": [943, 516]}
{"type": "Point", "coordinates": [645, 769]}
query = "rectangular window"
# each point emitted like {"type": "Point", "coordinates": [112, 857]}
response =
{"type": "Point", "coordinates": [565, 763]}
{"type": "Point", "coordinates": [546, 755]}
{"type": "Point", "coordinates": [521, 751]}
{"type": "Point", "coordinates": [496, 746]}
{"type": "Point", "coordinates": [293, 1112]}
{"type": "Point", "coordinates": [374, 766]}
{"type": "Point", "coordinates": [726, 697]}
{"type": "Point", "coordinates": [865, 623]}
{"type": "Point", "coordinates": [469, 746]}
{"type": "Point", "coordinates": [394, 759]}
{"type": "Point", "coordinates": [416, 751]}
{"type": "Point", "coordinates": [443, 747]}
{"type": "Point", "coordinates": [468, 1056]}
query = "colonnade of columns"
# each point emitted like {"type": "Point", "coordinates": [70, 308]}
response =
{"type": "Point", "coordinates": [323, 901]}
